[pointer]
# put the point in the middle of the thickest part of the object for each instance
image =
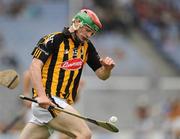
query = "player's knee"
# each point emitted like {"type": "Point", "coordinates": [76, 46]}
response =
{"type": "Point", "coordinates": [85, 134]}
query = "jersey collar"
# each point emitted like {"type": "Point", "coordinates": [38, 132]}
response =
{"type": "Point", "coordinates": [70, 35]}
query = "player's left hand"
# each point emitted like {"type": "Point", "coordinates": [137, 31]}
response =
{"type": "Point", "coordinates": [108, 63]}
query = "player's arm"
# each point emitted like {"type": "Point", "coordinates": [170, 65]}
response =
{"type": "Point", "coordinates": [102, 67]}
{"type": "Point", "coordinates": [104, 71]}
{"type": "Point", "coordinates": [45, 47]}
{"type": "Point", "coordinates": [26, 86]}
{"type": "Point", "coordinates": [26, 83]}
{"type": "Point", "coordinates": [35, 71]}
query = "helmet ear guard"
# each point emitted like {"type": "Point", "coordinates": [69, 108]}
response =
{"type": "Point", "coordinates": [76, 26]}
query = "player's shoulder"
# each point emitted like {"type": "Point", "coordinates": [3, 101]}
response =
{"type": "Point", "coordinates": [51, 37]}
{"type": "Point", "coordinates": [54, 34]}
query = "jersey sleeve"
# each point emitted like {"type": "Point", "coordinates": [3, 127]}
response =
{"type": "Point", "coordinates": [46, 46]}
{"type": "Point", "coordinates": [93, 59]}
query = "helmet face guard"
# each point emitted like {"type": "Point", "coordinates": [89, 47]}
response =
{"type": "Point", "coordinates": [89, 18]}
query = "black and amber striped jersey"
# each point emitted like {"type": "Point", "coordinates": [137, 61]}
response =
{"type": "Point", "coordinates": [64, 59]}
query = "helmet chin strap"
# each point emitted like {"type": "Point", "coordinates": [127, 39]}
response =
{"type": "Point", "coordinates": [74, 28]}
{"type": "Point", "coordinates": [76, 38]}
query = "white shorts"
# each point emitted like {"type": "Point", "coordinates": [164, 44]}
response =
{"type": "Point", "coordinates": [41, 116]}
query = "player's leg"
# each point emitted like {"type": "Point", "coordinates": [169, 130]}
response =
{"type": "Point", "coordinates": [63, 136]}
{"type": "Point", "coordinates": [70, 125]}
{"type": "Point", "coordinates": [33, 131]}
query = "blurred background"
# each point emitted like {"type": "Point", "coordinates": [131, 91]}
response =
{"type": "Point", "coordinates": [143, 38]}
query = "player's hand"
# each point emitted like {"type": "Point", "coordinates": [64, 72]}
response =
{"type": "Point", "coordinates": [44, 102]}
{"type": "Point", "coordinates": [108, 63]}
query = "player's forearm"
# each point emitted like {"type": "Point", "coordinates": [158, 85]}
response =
{"type": "Point", "coordinates": [35, 72]}
{"type": "Point", "coordinates": [103, 73]}
{"type": "Point", "coordinates": [26, 83]}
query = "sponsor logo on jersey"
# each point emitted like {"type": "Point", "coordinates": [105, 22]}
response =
{"type": "Point", "coordinates": [72, 64]}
